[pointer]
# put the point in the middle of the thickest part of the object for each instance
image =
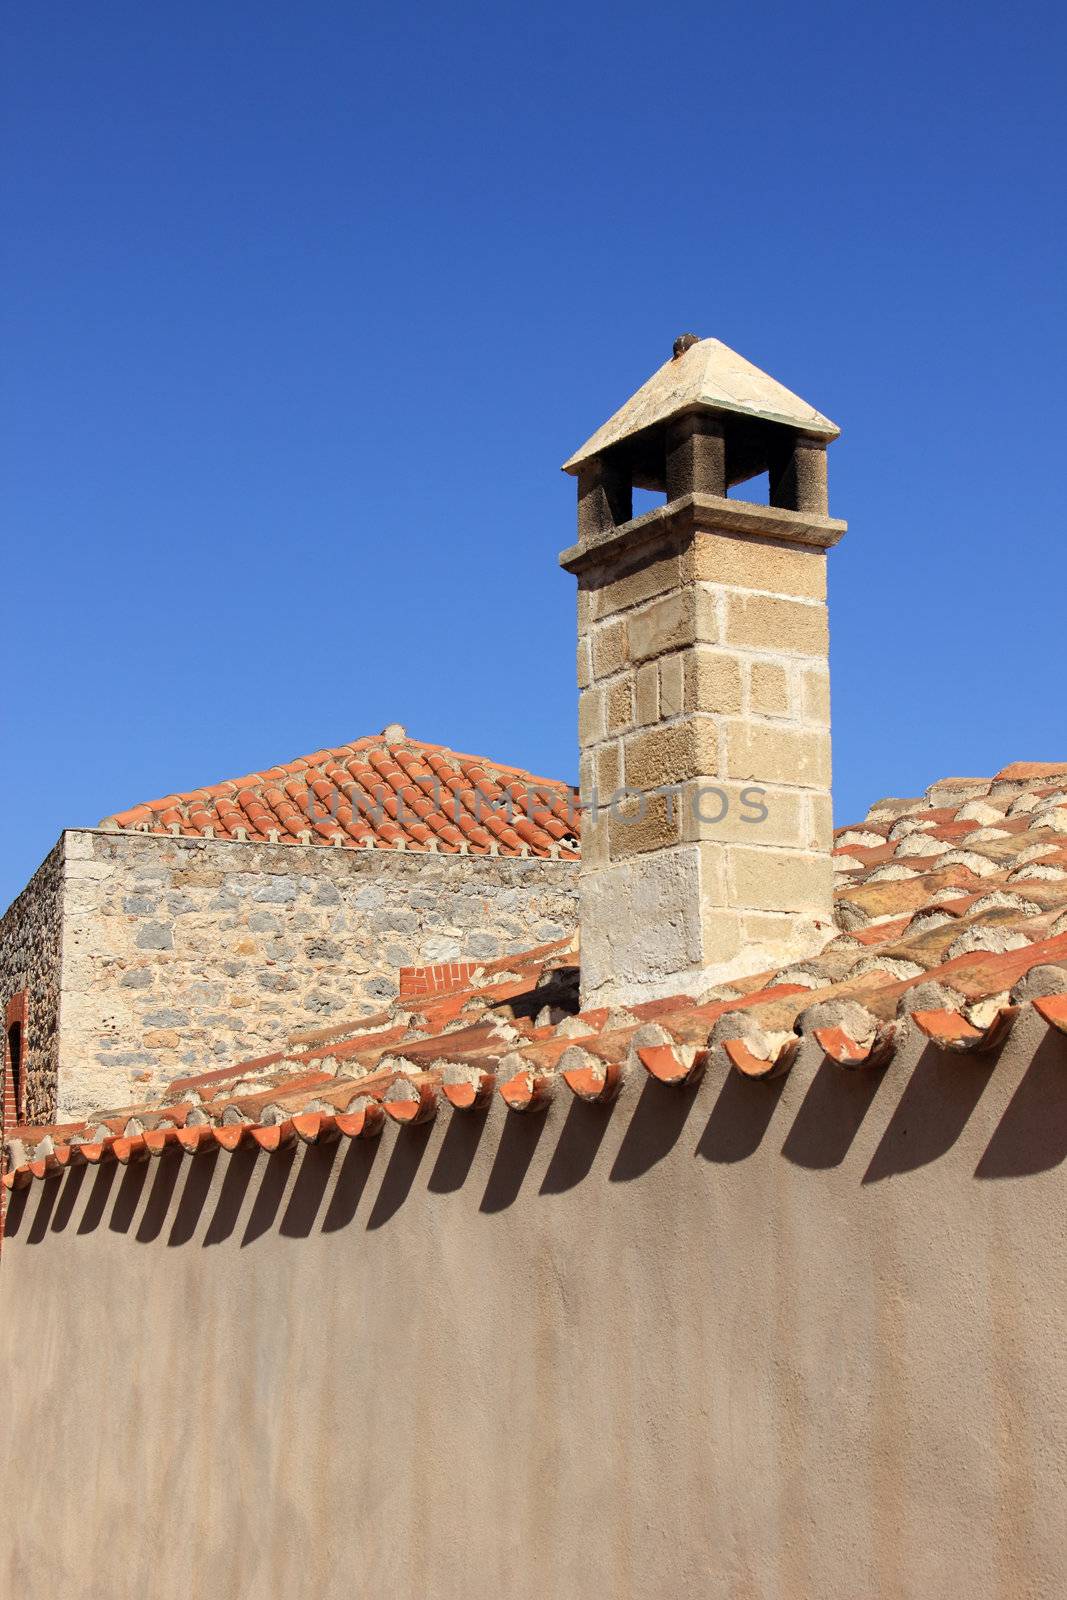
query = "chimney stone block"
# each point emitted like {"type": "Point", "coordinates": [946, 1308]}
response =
{"type": "Point", "coordinates": [619, 704]}
{"type": "Point", "coordinates": [591, 716]}
{"type": "Point", "coordinates": [772, 879]}
{"type": "Point", "coordinates": [712, 681]}
{"type": "Point", "coordinates": [768, 689]}
{"type": "Point", "coordinates": [765, 622]}
{"type": "Point", "coordinates": [609, 594]}
{"type": "Point", "coordinates": [815, 684]}
{"type": "Point", "coordinates": [647, 694]}
{"type": "Point", "coordinates": [797, 474]}
{"type": "Point", "coordinates": [608, 759]}
{"type": "Point", "coordinates": [687, 617]}
{"type": "Point", "coordinates": [696, 456]}
{"type": "Point", "coordinates": [730, 813]}
{"type": "Point", "coordinates": [770, 565]}
{"type": "Point", "coordinates": [671, 753]}
{"type": "Point", "coordinates": [671, 684]}
{"type": "Point", "coordinates": [773, 753]}
{"type": "Point", "coordinates": [638, 823]}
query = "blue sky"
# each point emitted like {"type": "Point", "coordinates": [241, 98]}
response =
{"type": "Point", "coordinates": [304, 305]}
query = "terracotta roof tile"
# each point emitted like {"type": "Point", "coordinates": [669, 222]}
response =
{"type": "Point", "coordinates": [954, 951]}
{"type": "Point", "coordinates": [395, 794]}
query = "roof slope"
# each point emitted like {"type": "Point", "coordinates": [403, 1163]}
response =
{"type": "Point", "coordinates": [707, 376]}
{"type": "Point", "coordinates": [952, 916]}
{"type": "Point", "coordinates": [387, 791]}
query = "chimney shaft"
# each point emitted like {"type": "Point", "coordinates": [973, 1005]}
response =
{"type": "Point", "coordinates": [704, 717]}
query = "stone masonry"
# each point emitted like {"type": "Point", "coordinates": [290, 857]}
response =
{"type": "Point", "coordinates": [30, 939]}
{"type": "Point", "coordinates": [175, 955]}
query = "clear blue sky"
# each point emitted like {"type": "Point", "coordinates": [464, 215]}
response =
{"type": "Point", "coordinates": [304, 305]}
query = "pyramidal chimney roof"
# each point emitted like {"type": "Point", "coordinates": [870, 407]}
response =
{"type": "Point", "coordinates": [704, 375]}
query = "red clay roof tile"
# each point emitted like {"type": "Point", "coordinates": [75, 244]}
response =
{"type": "Point", "coordinates": [394, 795]}
{"type": "Point", "coordinates": [468, 1030]}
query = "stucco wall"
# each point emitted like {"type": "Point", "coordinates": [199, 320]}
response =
{"type": "Point", "coordinates": [757, 1341]}
{"type": "Point", "coordinates": [30, 939]}
{"type": "Point", "coordinates": [183, 954]}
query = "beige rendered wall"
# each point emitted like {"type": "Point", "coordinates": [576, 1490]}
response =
{"type": "Point", "coordinates": [758, 1341]}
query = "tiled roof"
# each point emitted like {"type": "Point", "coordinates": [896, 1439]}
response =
{"type": "Point", "coordinates": [387, 791]}
{"type": "Point", "coordinates": [952, 914]}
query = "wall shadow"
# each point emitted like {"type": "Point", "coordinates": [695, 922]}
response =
{"type": "Point", "coordinates": [73, 1183]}
{"type": "Point", "coordinates": [269, 1196]}
{"type": "Point", "coordinates": [103, 1180]}
{"type": "Point", "coordinates": [739, 1118]}
{"type": "Point", "coordinates": [404, 1161]}
{"type": "Point", "coordinates": [160, 1195]}
{"type": "Point", "coordinates": [654, 1128]}
{"type": "Point", "coordinates": [930, 1116]}
{"type": "Point", "coordinates": [193, 1197]}
{"type": "Point", "coordinates": [519, 1138]}
{"type": "Point", "coordinates": [352, 1178]}
{"type": "Point", "coordinates": [17, 1201]}
{"type": "Point", "coordinates": [237, 1175]}
{"type": "Point", "coordinates": [308, 1191]}
{"type": "Point", "coordinates": [580, 1138]}
{"type": "Point", "coordinates": [932, 1112]}
{"type": "Point", "coordinates": [1031, 1136]}
{"type": "Point", "coordinates": [46, 1204]}
{"type": "Point", "coordinates": [830, 1115]}
{"type": "Point", "coordinates": [458, 1149]}
{"type": "Point", "coordinates": [131, 1188]}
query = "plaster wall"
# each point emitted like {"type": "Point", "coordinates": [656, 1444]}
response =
{"type": "Point", "coordinates": [744, 1341]}
{"type": "Point", "coordinates": [181, 955]}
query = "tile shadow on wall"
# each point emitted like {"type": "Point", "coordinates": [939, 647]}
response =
{"type": "Point", "coordinates": [352, 1179]}
{"type": "Point", "coordinates": [68, 1199]}
{"type": "Point", "coordinates": [580, 1138]}
{"type": "Point", "coordinates": [269, 1196]}
{"type": "Point", "coordinates": [519, 1138]}
{"type": "Point", "coordinates": [456, 1155]}
{"type": "Point", "coordinates": [654, 1129]}
{"type": "Point", "coordinates": [739, 1118]}
{"type": "Point", "coordinates": [309, 1190]}
{"type": "Point", "coordinates": [830, 1115]}
{"type": "Point", "coordinates": [1031, 1136]}
{"type": "Point", "coordinates": [405, 1159]}
{"type": "Point", "coordinates": [933, 1111]}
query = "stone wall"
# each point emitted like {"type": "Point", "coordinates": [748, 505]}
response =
{"type": "Point", "coordinates": [30, 937]}
{"type": "Point", "coordinates": [181, 955]}
{"type": "Point", "coordinates": [704, 724]}
{"type": "Point", "coordinates": [798, 1340]}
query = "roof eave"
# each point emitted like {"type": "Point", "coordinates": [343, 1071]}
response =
{"type": "Point", "coordinates": [816, 427]}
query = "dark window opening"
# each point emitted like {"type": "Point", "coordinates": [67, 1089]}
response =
{"type": "Point", "coordinates": [14, 1068]}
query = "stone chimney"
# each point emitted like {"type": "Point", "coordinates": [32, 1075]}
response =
{"type": "Point", "coordinates": [704, 707]}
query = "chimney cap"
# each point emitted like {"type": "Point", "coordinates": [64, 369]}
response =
{"type": "Point", "coordinates": [705, 375]}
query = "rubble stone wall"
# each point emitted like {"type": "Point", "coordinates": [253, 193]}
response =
{"type": "Point", "coordinates": [181, 955]}
{"type": "Point", "coordinates": [30, 938]}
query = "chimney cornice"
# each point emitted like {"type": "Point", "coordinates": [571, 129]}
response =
{"type": "Point", "coordinates": [691, 512]}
